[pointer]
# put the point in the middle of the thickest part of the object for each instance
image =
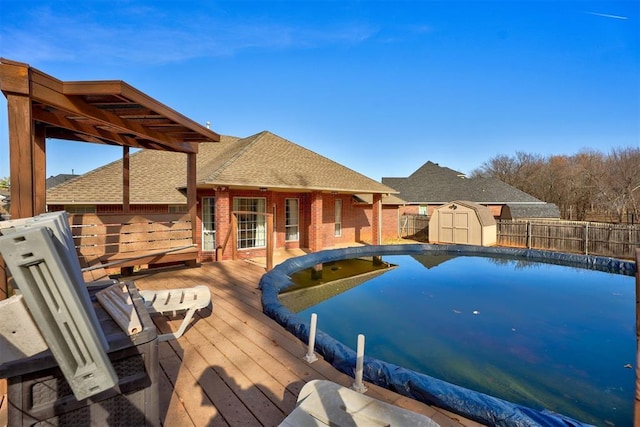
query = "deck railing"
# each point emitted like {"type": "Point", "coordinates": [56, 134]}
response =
{"type": "Point", "coordinates": [591, 238]}
{"type": "Point", "coordinates": [232, 236]}
{"type": "Point", "coordinates": [128, 240]}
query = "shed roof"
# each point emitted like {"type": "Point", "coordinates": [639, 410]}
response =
{"type": "Point", "coordinates": [483, 213]}
{"type": "Point", "coordinates": [542, 210]}
{"type": "Point", "coordinates": [263, 160]}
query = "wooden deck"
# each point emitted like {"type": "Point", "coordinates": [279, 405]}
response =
{"type": "Point", "coordinates": [235, 366]}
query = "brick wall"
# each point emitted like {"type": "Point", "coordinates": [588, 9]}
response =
{"type": "Point", "coordinates": [357, 220]}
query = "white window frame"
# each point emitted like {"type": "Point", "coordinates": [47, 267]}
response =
{"type": "Point", "coordinates": [252, 228]}
{"type": "Point", "coordinates": [337, 228]}
{"type": "Point", "coordinates": [291, 220]}
{"type": "Point", "coordinates": [208, 223]}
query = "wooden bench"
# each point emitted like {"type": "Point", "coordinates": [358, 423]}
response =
{"type": "Point", "coordinates": [124, 241]}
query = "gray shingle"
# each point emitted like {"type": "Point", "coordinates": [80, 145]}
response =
{"type": "Point", "coordinates": [261, 160]}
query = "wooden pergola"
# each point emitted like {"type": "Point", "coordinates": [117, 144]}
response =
{"type": "Point", "coordinates": [104, 112]}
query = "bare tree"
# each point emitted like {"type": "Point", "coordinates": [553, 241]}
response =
{"type": "Point", "coordinates": [579, 185]}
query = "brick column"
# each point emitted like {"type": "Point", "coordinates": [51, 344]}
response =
{"type": "Point", "coordinates": [376, 220]}
{"type": "Point", "coordinates": [315, 228]}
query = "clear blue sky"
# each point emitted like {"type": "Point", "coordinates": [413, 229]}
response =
{"type": "Point", "coordinates": [379, 86]}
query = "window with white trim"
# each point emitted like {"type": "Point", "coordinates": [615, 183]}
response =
{"type": "Point", "coordinates": [338, 218]}
{"type": "Point", "coordinates": [252, 228]}
{"type": "Point", "coordinates": [423, 210]}
{"type": "Point", "coordinates": [291, 215]}
{"type": "Point", "coordinates": [208, 224]}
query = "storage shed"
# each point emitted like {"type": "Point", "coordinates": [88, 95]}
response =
{"type": "Point", "coordinates": [463, 222]}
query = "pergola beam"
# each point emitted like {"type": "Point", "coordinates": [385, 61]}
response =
{"type": "Point", "coordinates": [75, 105]}
{"type": "Point", "coordinates": [107, 112]}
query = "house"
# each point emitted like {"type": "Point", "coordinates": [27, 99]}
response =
{"type": "Point", "coordinates": [316, 203]}
{"type": "Point", "coordinates": [432, 186]}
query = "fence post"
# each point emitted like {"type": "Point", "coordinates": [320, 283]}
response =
{"type": "Point", "coordinates": [528, 234]}
{"type": "Point", "coordinates": [586, 239]}
{"type": "Point", "coordinates": [636, 405]}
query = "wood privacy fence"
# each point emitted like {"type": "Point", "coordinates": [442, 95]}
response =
{"type": "Point", "coordinates": [414, 226]}
{"type": "Point", "coordinates": [591, 238]}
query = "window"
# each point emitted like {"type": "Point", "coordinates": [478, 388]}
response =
{"type": "Point", "coordinates": [208, 224]}
{"type": "Point", "coordinates": [252, 228]}
{"type": "Point", "coordinates": [338, 219]}
{"type": "Point", "coordinates": [291, 220]}
{"type": "Point", "coordinates": [80, 209]}
{"type": "Point", "coordinates": [422, 210]}
{"type": "Point", "coordinates": [177, 209]}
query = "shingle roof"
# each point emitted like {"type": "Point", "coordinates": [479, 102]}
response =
{"type": "Point", "coordinates": [261, 160]}
{"type": "Point", "coordinates": [52, 181]}
{"type": "Point", "coordinates": [268, 160]}
{"type": "Point", "coordinates": [387, 200]}
{"type": "Point", "coordinates": [434, 184]}
{"type": "Point", "coordinates": [542, 210]}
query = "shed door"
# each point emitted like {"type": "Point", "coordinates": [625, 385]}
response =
{"type": "Point", "coordinates": [462, 227]}
{"type": "Point", "coordinates": [454, 227]}
{"type": "Point", "coordinates": [446, 227]}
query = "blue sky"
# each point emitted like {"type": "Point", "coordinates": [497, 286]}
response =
{"type": "Point", "coordinates": [378, 86]}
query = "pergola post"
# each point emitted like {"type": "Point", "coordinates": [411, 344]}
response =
{"type": "Point", "coordinates": [26, 146]}
{"type": "Point", "coordinates": [126, 186]}
{"type": "Point", "coordinates": [192, 194]}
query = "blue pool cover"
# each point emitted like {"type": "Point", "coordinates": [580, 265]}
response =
{"type": "Point", "coordinates": [476, 406]}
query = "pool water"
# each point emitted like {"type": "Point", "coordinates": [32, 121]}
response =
{"type": "Point", "coordinates": [541, 335]}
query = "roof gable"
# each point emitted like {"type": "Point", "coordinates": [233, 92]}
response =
{"type": "Point", "coordinates": [261, 160]}
{"type": "Point", "coordinates": [268, 160]}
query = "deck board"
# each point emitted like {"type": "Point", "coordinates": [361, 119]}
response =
{"type": "Point", "coordinates": [236, 366]}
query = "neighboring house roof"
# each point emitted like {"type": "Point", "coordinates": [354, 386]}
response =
{"type": "Point", "coordinates": [261, 160]}
{"type": "Point", "coordinates": [434, 184]}
{"type": "Point", "coordinates": [52, 181]}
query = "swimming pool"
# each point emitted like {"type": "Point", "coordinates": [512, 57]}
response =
{"type": "Point", "coordinates": [491, 321]}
